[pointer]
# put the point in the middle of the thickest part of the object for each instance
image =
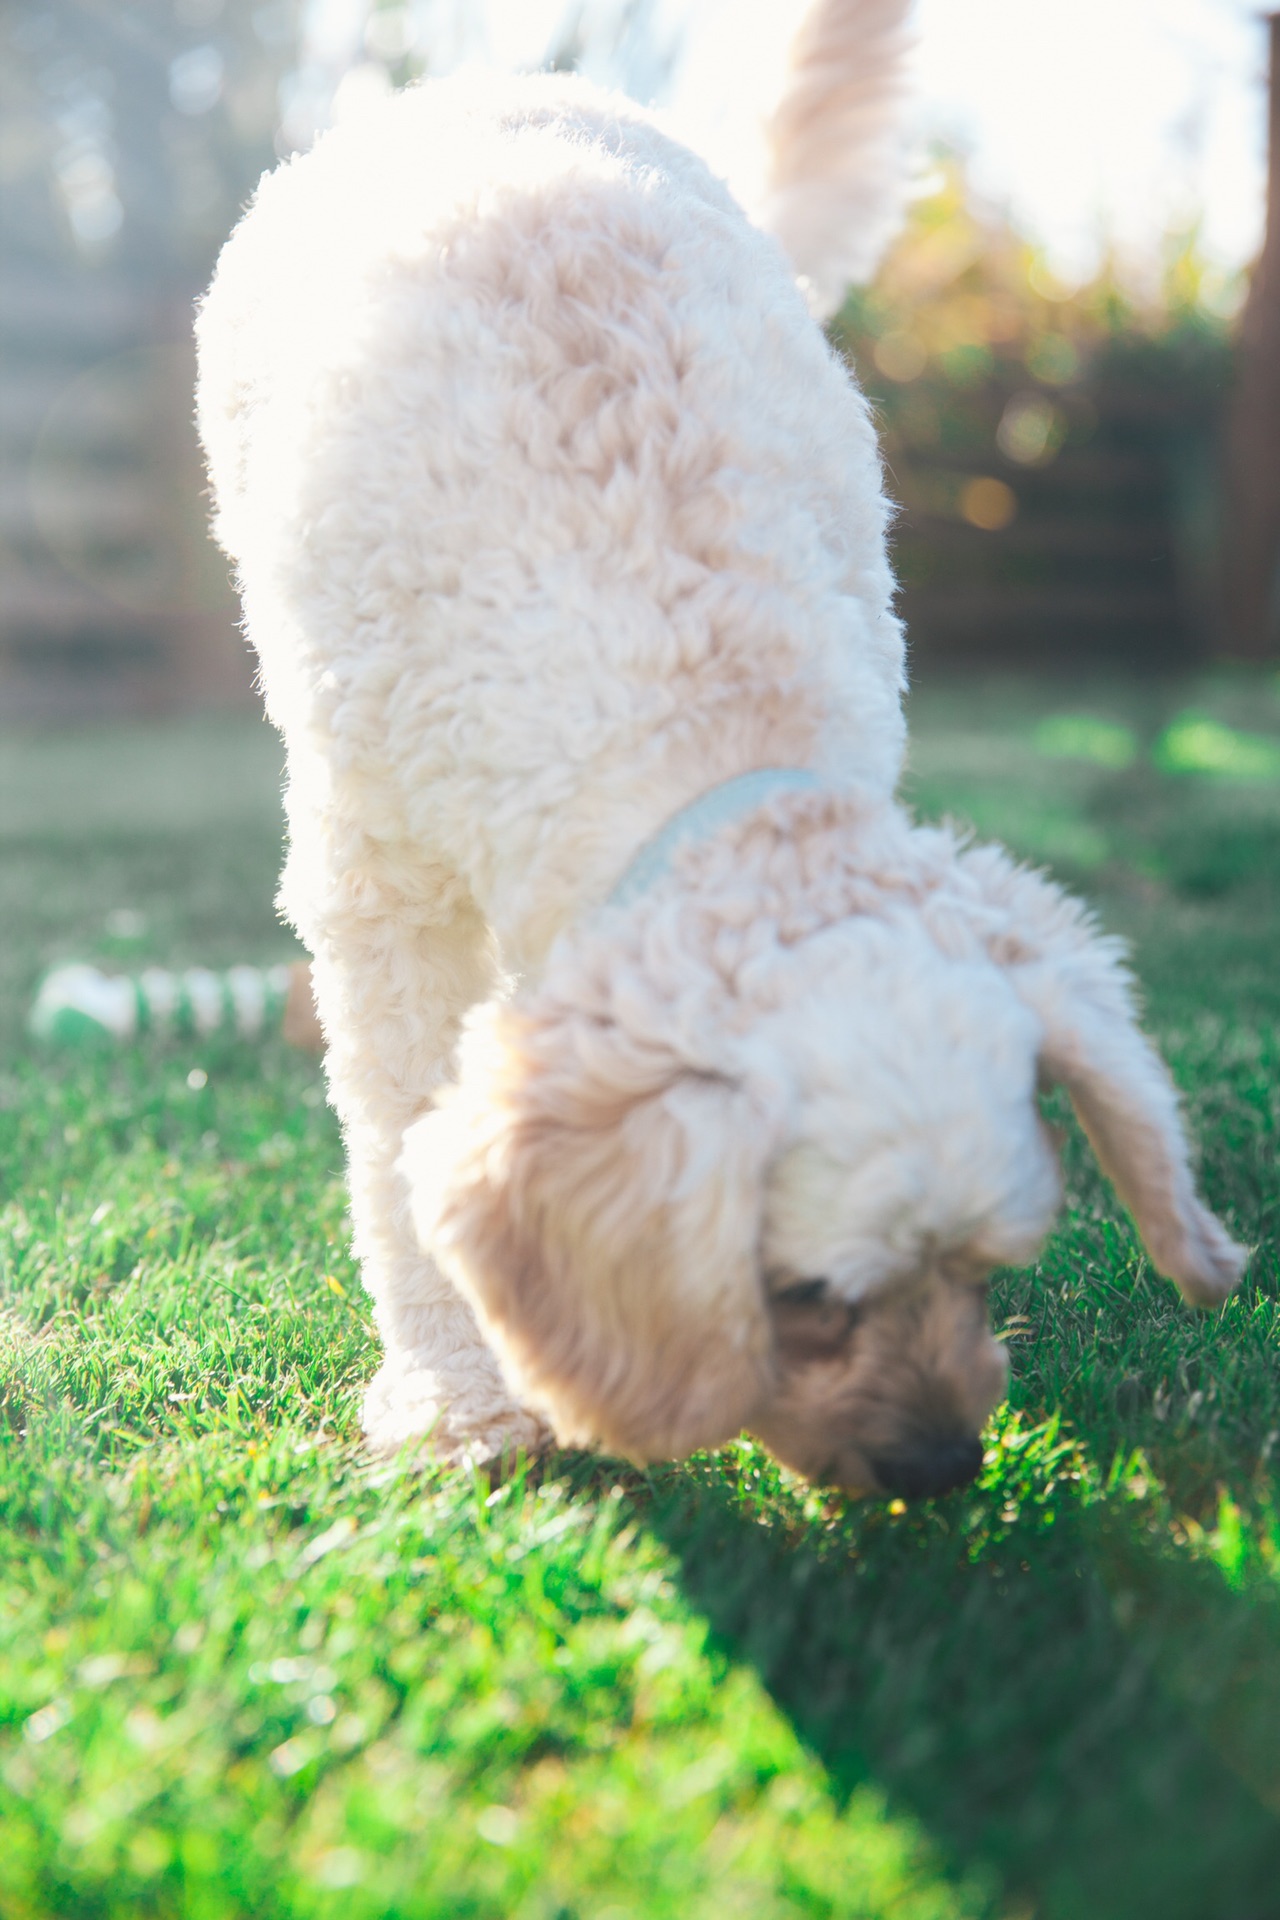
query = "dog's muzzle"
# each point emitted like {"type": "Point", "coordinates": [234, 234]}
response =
{"type": "Point", "coordinates": [933, 1466]}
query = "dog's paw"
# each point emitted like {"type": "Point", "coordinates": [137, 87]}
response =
{"type": "Point", "coordinates": [1206, 1262]}
{"type": "Point", "coordinates": [469, 1424]}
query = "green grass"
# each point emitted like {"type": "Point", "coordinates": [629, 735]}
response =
{"type": "Point", "coordinates": [244, 1670]}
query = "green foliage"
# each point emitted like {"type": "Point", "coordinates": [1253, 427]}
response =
{"type": "Point", "coordinates": [962, 296]}
{"type": "Point", "coordinates": [1055, 450]}
{"type": "Point", "coordinates": [247, 1670]}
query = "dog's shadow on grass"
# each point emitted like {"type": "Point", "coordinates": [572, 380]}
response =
{"type": "Point", "coordinates": [1060, 1701]}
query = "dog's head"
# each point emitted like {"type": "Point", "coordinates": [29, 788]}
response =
{"type": "Point", "coordinates": [689, 1194]}
{"type": "Point", "coordinates": [919, 1162]}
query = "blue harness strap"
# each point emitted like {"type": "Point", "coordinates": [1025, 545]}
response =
{"type": "Point", "coordinates": [712, 809]}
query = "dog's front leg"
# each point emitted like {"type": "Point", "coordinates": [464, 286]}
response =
{"type": "Point", "coordinates": [394, 972]}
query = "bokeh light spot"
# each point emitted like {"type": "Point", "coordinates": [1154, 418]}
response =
{"type": "Point", "coordinates": [1030, 431]}
{"type": "Point", "coordinates": [900, 356]}
{"type": "Point", "coordinates": [988, 504]}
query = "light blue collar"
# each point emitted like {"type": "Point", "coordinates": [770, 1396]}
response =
{"type": "Point", "coordinates": [712, 809]}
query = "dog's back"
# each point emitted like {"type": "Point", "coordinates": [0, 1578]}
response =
{"type": "Point", "coordinates": [541, 479]}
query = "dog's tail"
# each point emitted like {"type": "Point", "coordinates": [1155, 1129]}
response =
{"type": "Point", "coordinates": [835, 169]}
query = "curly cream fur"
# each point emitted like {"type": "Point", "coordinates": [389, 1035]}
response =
{"type": "Point", "coordinates": [551, 509]}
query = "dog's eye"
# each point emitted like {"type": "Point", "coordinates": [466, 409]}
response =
{"type": "Point", "coordinates": [809, 1322]}
{"type": "Point", "coordinates": [968, 1274]}
{"type": "Point", "coordinates": [800, 1293]}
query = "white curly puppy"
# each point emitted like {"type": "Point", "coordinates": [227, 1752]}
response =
{"type": "Point", "coordinates": [561, 539]}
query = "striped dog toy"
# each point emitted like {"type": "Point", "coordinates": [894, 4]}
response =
{"type": "Point", "coordinates": [78, 1003]}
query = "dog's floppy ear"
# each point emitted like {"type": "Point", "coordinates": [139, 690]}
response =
{"type": "Point", "coordinates": [598, 1204]}
{"type": "Point", "coordinates": [1076, 981]}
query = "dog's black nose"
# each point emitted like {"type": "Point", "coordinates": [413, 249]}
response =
{"type": "Point", "coordinates": [933, 1466]}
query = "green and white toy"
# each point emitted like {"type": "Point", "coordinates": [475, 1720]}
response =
{"type": "Point", "coordinates": [78, 1003]}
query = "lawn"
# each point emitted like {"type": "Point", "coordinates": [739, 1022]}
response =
{"type": "Point", "coordinates": [244, 1670]}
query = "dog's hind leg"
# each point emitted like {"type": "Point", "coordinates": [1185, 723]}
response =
{"type": "Point", "coordinates": [399, 957]}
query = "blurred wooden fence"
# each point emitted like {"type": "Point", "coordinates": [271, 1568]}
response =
{"type": "Point", "coordinates": [1043, 526]}
{"type": "Point", "coordinates": [1096, 540]}
{"type": "Point", "coordinates": [1253, 542]}
{"type": "Point", "coordinates": [111, 597]}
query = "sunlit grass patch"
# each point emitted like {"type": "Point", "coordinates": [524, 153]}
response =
{"type": "Point", "coordinates": [1082, 736]}
{"type": "Point", "coordinates": [447, 1700]}
{"type": "Point", "coordinates": [1195, 743]}
{"type": "Point", "coordinates": [247, 1670]}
